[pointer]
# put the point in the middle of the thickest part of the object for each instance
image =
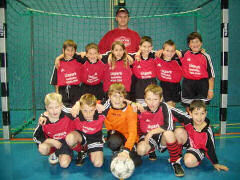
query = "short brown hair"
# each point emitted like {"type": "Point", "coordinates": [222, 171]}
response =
{"type": "Point", "coordinates": [197, 104]}
{"type": "Point", "coordinates": [146, 39]}
{"type": "Point", "coordinates": [91, 46]}
{"type": "Point", "coordinates": [169, 42]}
{"type": "Point", "coordinates": [194, 35]}
{"type": "Point", "coordinates": [88, 99]}
{"type": "Point", "coordinates": [69, 43]}
{"type": "Point", "coordinates": [117, 88]}
{"type": "Point", "coordinates": [155, 89]}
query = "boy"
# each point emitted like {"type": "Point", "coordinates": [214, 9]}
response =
{"type": "Point", "coordinates": [197, 137]}
{"type": "Point", "coordinates": [121, 123]}
{"type": "Point", "coordinates": [66, 77]}
{"type": "Point", "coordinates": [50, 137]}
{"type": "Point", "coordinates": [88, 131]}
{"type": "Point", "coordinates": [198, 72]}
{"type": "Point", "coordinates": [143, 69]}
{"type": "Point", "coordinates": [156, 128]}
{"type": "Point", "coordinates": [169, 73]}
{"type": "Point", "coordinates": [92, 72]}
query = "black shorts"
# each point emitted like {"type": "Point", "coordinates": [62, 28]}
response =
{"type": "Point", "coordinates": [171, 91]}
{"type": "Point", "coordinates": [198, 153]}
{"type": "Point", "coordinates": [96, 90]}
{"type": "Point", "coordinates": [155, 142]}
{"type": "Point", "coordinates": [140, 85]}
{"type": "Point", "coordinates": [70, 94]}
{"type": "Point", "coordinates": [94, 142]}
{"type": "Point", "coordinates": [194, 89]}
{"type": "Point", "coordinates": [65, 149]}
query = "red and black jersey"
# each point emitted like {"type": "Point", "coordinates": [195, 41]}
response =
{"type": "Point", "coordinates": [145, 68]}
{"type": "Point", "coordinates": [199, 140]}
{"type": "Point", "coordinates": [128, 37]}
{"type": "Point", "coordinates": [57, 130]}
{"type": "Point", "coordinates": [120, 74]}
{"type": "Point", "coordinates": [149, 120]}
{"type": "Point", "coordinates": [197, 65]}
{"type": "Point", "coordinates": [89, 127]}
{"type": "Point", "coordinates": [92, 73]}
{"type": "Point", "coordinates": [68, 73]}
{"type": "Point", "coordinates": [168, 71]}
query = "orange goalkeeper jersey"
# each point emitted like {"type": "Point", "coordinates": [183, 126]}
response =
{"type": "Point", "coordinates": [125, 121]}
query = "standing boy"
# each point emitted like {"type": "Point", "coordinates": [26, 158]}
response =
{"type": "Point", "coordinates": [198, 72]}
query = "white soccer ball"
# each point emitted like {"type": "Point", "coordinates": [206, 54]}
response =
{"type": "Point", "coordinates": [122, 168]}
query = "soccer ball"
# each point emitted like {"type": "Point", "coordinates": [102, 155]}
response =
{"type": "Point", "coordinates": [122, 168]}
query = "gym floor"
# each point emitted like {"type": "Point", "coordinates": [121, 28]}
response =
{"type": "Point", "coordinates": [20, 159]}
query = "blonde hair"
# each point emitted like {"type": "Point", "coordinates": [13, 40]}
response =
{"type": "Point", "coordinates": [88, 99]}
{"type": "Point", "coordinates": [53, 97]}
{"type": "Point", "coordinates": [124, 57]}
{"type": "Point", "coordinates": [155, 89]}
{"type": "Point", "coordinates": [91, 46]}
{"type": "Point", "coordinates": [117, 88]}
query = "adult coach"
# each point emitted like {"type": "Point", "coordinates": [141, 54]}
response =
{"type": "Point", "coordinates": [130, 38]}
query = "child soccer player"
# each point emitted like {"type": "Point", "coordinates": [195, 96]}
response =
{"type": "Point", "coordinates": [156, 128]}
{"type": "Point", "coordinates": [198, 72]}
{"type": "Point", "coordinates": [92, 72]}
{"type": "Point", "coordinates": [51, 136]}
{"type": "Point", "coordinates": [169, 73]}
{"type": "Point", "coordinates": [197, 137]}
{"type": "Point", "coordinates": [88, 131]}
{"type": "Point", "coordinates": [118, 69]}
{"type": "Point", "coordinates": [121, 123]}
{"type": "Point", "coordinates": [67, 77]}
{"type": "Point", "coordinates": [143, 69]}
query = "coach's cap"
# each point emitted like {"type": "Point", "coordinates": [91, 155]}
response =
{"type": "Point", "coordinates": [122, 9]}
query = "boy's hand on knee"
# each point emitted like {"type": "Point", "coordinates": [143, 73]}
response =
{"type": "Point", "coordinates": [210, 94]}
{"type": "Point", "coordinates": [220, 167]}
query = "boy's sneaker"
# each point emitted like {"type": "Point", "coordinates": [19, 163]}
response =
{"type": "Point", "coordinates": [53, 159]}
{"type": "Point", "coordinates": [178, 170]}
{"type": "Point", "coordinates": [80, 158]}
{"type": "Point", "coordinates": [152, 156]}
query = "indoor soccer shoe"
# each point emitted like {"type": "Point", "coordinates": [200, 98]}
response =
{"type": "Point", "coordinates": [80, 158]}
{"type": "Point", "coordinates": [53, 159]}
{"type": "Point", "coordinates": [152, 156]}
{"type": "Point", "coordinates": [178, 170]}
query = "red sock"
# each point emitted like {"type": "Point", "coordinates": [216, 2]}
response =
{"type": "Point", "coordinates": [173, 149]}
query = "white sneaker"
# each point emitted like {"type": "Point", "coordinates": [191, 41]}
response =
{"type": "Point", "coordinates": [53, 159]}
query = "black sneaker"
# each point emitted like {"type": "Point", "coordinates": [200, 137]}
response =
{"type": "Point", "coordinates": [152, 156]}
{"type": "Point", "coordinates": [178, 170]}
{"type": "Point", "coordinates": [80, 158]}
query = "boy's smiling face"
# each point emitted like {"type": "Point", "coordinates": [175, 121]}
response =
{"type": "Point", "coordinates": [168, 52]}
{"type": "Point", "coordinates": [198, 115]}
{"type": "Point", "coordinates": [69, 52]}
{"type": "Point", "coordinates": [195, 45]}
{"type": "Point", "coordinates": [92, 55]}
{"type": "Point", "coordinates": [145, 48]}
{"type": "Point", "coordinates": [152, 100]}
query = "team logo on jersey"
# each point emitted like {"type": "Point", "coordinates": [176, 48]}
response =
{"type": "Point", "coordinates": [62, 70]}
{"type": "Point", "coordinates": [159, 65]}
{"type": "Point", "coordinates": [147, 120]}
{"type": "Point", "coordinates": [126, 41]}
{"type": "Point", "coordinates": [138, 66]}
{"type": "Point", "coordinates": [188, 59]}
